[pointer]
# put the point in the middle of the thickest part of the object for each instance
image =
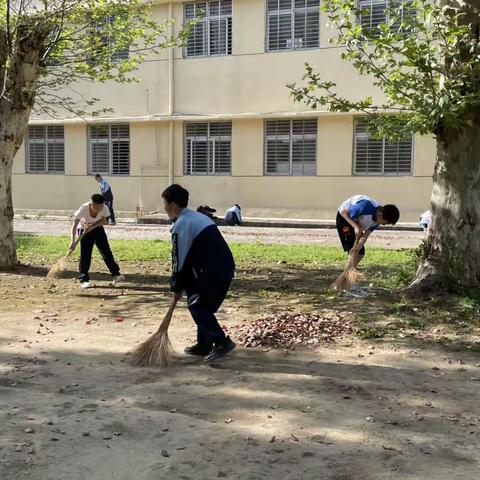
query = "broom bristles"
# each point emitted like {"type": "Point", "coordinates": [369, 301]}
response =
{"type": "Point", "coordinates": [59, 267]}
{"type": "Point", "coordinates": [157, 351]}
{"type": "Point", "coordinates": [350, 276]}
{"type": "Point", "coordinates": [347, 279]}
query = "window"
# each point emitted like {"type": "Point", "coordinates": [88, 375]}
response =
{"type": "Point", "coordinates": [293, 24]}
{"type": "Point", "coordinates": [208, 148]}
{"type": "Point", "coordinates": [45, 149]}
{"type": "Point", "coordinates": [291, 147]}
{"type": "Point", "coordinates": [211, 35]}
{"type": "Point", "coordinates": [377, 12]}
{"type": "Point", "coordinates": [109, 149]}
{"type": "Point", "coordinates": [103, 28]}
{"type": "Point", "coordinates": [380, 156]}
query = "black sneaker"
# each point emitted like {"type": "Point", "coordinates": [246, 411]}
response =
{"type": "Point", "coordinates": [200, 349]}
{"type": "Point", "coordinates": [221, 350]}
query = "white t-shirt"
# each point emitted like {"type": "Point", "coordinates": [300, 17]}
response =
{"type": "Point", "coordinates": [83, 214]}
{"type": "Point", "coordinates": [236, 211]}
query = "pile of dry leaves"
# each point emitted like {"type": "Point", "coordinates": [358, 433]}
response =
{"type": "Point", "coordinates": [288, 330]}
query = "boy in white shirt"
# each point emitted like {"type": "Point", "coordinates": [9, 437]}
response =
{"type": "Point", "coordinates": [90, 218]}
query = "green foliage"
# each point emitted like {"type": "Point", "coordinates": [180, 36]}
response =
{"type": "Point", "coordinates": [425, 58]}
{"type": "Point", "coordinates": [80, 41]}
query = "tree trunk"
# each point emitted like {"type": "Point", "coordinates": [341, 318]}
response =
{"type": "Point", "coordinates": [23, 70]}
{"type": "Point", "coordinates": [13, 125]}
{"type": "Point", "coordinates": [452, 248]}
{"type": "Point", "coordinates": [8, 255]}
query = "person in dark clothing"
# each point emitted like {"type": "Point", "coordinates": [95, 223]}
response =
{"type": "Point", "coordinates": [206, 210]}
{"type": "Point", "coordinates": [107, 193]}
{"type": "Point", "coordinates": [203, 267]}
{"type": "Point", "coordinates": [90, 218]}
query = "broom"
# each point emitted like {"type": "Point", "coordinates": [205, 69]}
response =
{"type": "Point", "coordinates": [61, 265]}
{"type": "Point", "coordinates": [351, 275]}
{"type": "Point", "coordinates": [157, 351]}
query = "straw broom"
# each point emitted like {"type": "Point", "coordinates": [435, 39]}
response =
{"type": "Point", "coordinates": [61, 265]}
{"type": "Point", "coordinates": [351, 275]}
{"type": "Point", "coordinates": [157, 351]}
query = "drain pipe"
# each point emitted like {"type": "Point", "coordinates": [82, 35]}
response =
{"type": "Point", "coordinates": [170, 99]}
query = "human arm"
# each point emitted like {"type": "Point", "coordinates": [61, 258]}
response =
{"type": "Point", "coordinates": [346, 215]}
{"type": "Point", "coordinates": [73, 233]}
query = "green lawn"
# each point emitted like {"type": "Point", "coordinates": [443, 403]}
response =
{"type": "Point", "coordinates": [46, 248]}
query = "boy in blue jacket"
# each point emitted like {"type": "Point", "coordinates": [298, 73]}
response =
{"type": "Point", "coordinates": [203, 267]}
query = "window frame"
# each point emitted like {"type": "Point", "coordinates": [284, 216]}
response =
{"type": "Point", "coordinates": [386, 14]}
{"type": "Point", "coordinates": [117, 55]}
{"type": "Point", "coordinates": [293, 10]}
{"type": "Point", "coordinates": [384, 141]}
{"type": "Point", "coordinates": [110, 143]}
{"type": "Point", "coordinates": [45, 142]}
{"type": "Point", "coordinates": [209, 140]}
{"type": "Point", "coordinates": [291, 141]}
{"type": "Point", "coordinates": [206, 21]}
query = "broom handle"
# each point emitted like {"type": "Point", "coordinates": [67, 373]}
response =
{"type": "Point", "coordinates": [77, 241]}
{"type": "Point", "coordinates": [353, 251]}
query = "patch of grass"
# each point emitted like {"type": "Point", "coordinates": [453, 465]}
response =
{"type": "Point", "coordinates": [47, 248]}
{"type": "Point", "coordinates": [371, 332]}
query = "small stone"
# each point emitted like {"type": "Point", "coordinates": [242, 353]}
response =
{"type": "Point", "coordinates": [173, 410]}
{"type": "Point", "coordinates": [117, 434]}
{"type": "Point", "coordinates": [85, 434]}
{"type": "Point", "coordinates": [107, 437]}
{"type": "Point", "coordinates": [55, 439]}
{"type": "Point", "coordinates": [369, 419]}
{"type": "Point", "coordinates": [165, 453]}
{"type": "Point", "coordinates": [221, 474]}
{"type": "Point", "coordinates": [228, 420]}
{"type": "Point", "coordinates": [273, 439]}
{"type": "Point", "coordinates": [165, 429]}
{"type": "Point", "coordinates": [28, 430]}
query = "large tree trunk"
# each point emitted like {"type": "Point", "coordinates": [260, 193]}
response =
{"type": "Point", "coordinates": [452, 248]}
{"type": "Point", "coordinates": [13, 124]}
{"type": "Point", "coordinates": [16, 102]}
{"type": "Point", "coordinates": [8, 255]}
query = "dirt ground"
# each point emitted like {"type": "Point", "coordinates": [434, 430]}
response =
{"type": "Point", "coordinates": [291, 236]}
{"type": "Point", "coordinates": [72, 407]}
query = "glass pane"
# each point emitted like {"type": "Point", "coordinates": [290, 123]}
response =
{"type": "Point", "coordinates": [100, 158]}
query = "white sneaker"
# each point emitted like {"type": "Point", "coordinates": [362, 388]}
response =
{"type": "Point", "coordinates": [118, 279]}
{"type": "Point", "coordinates": [85, 285]}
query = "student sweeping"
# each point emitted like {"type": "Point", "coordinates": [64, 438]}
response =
{"type": "Point", "coordinates": [106, 191]}
{"type": "Point", "coordinates": [203, 267]}
{"type": "Point", "coordinates": [90, 219]}
{"type": "Point", "coordinates": [358, 217]}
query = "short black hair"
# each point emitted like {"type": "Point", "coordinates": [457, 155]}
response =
{"type": "Point", "coordinates": [98, 175]}
{"type": "Point", "coordinates": [97, 198]}
{"type": "Point", "coordinates": [390, 213]}
{"type": "Point", "coordinates": [176, 194]}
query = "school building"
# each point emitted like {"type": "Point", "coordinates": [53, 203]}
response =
{"type": "Point", "coordinates": [216, 117]}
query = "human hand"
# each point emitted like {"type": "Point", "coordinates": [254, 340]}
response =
{"type": "Point", "coordinates": [358, 231]}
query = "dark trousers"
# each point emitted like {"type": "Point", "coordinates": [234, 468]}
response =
{"type": "Point", "coordinates": [346, 234]}
{"type": "Point", "coordinates": [108, 196]}
{"type": "Point", "coordinates": [99, 238]}
{"type": "Point", "coordinates": [203, 304]}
